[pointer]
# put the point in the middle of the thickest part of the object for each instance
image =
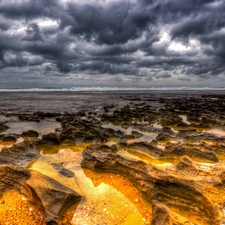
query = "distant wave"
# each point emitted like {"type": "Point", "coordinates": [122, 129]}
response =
{"type": "Point", "coordinates": [111, 89]}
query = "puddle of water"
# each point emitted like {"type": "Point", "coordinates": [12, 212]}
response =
{"type": "Point", "coordinates": [42, 127]}
{"type": "Point", "coordinates": [110, 143]}
{"type": "Point", "coordinates": [217, 132]}
{"type": "Point", "coordinates": [147, 137]}
{"type": "Point", "coordinates": [127, 155]}
{"type": "Point", "coordinates": [205, 166]}
{"type": "Point", "coordinates": [107, 198]}
{"type": "Point", "coordinates": [141, 122]}
{"type": "Point", "coordinates": [118, 128]}
{"type": "Point", "coordinates": [184, 118]}
{"type": "Point", "coordinates": [175, 129]}
{"type": "Point", "coordinates": [137, 155]}
{"type": "Point", "coordinates": [4, 119]}
{"type": "Point", "coordinates": [157, 125]}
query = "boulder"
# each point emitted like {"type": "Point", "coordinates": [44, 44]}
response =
{"type": "Point", "coordinates": [52, 137]}
{"type": "Point", "coordinates": [55, 197]}
{"type": "Point", "coordinates": [66, 173]}
{"type": "Point", "coordinates": [30, 133]}
{"type": "Point", "coordinates": [46, 195]}
{"type": "Point", "coordinates": [13, 178]}
{"type": "Point", "coordinates": [9, 138]}
{"type": "Point", "coordinates": [63, 171]}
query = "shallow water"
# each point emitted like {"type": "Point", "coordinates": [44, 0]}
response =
{"type": "Point", "coordinates": [118, 128]}
{"type": "Point", "coordinates": [157, 125]}
{"type": "Point", "coordinates": [4, 119]}
{"type": "Point", "coordinates": [43, 127]}
{"type": "Point", "coordinates": [217, 132]}
{"type": "Point", "coordinates": [136, 155]}
{"type": "Point", "coordinates": [147, 136]}
{"type": "Point", "coordinates": [184, 118]}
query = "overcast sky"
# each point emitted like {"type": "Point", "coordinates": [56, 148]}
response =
{"type": "Point", "coordinates": [125, 43]}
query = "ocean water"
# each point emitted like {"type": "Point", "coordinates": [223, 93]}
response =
{"type": "Point", "coordinates": [111, 89]}
{"type": "Point", "coordinates": [14, 101]}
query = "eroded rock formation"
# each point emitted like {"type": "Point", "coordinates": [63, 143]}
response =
{"type": "Point", "coordinates": [173, 187]}
{"type": "Point", "coordinates": [19, 154]}
{"type": "Point", "coordinates": [46, 195]}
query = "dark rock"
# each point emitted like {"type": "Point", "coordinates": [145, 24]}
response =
{"type": "Point", "coordinates": [30, 133]}
{"type": "Point", "coordinates": [33, 117]}
{"type": "Point", "coordinates": [57, 166]}
{"type": "Point", "coordinates": [47, 114]}
{"type": "Point", "coordinates": [63, 171]}
{"type": "Point", "coordinates": [166, 137]}
{"type": "Point", "coordinates": [9, 138]}
{"type": "Point", "coordinates": [209, 122]}
{"type": "Point", "coordinates": [136, 134]}
{"type": "Point", "coordinates": [52, 137]}
{"type": "Point", "coordinates": [186, 133]}
{"type": "Point", "coordinates": [59, 119]}
{"type": "Point", "coordinates": [66, 173]}
{"type": "Point", "coordinates": [3, 127]}
{"type": "Point", "coordinates": [167, 130]}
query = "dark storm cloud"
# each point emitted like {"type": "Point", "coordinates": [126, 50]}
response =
{"type": "Point", "coordinates": [153, 39]}
{"type": "Point", "coordinates": [29, 9]}
{"type": "Point", "coordinates": [4, 25]}
{"type": "Point", "coordinates": [33, 33]}
{"type": "Point", "coordinates": [114, 24]}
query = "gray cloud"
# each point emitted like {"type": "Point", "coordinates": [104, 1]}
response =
{"type": "Point", "coordinates": [130, 41]}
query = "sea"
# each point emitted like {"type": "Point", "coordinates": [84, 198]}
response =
{"type": "Point", "coordinates": [78, 89]}
{"type": "Point", "coordinates": [74, 99]}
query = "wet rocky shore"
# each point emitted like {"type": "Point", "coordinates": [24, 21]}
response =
{"type": "Point", "coordinates": [112, 158]}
